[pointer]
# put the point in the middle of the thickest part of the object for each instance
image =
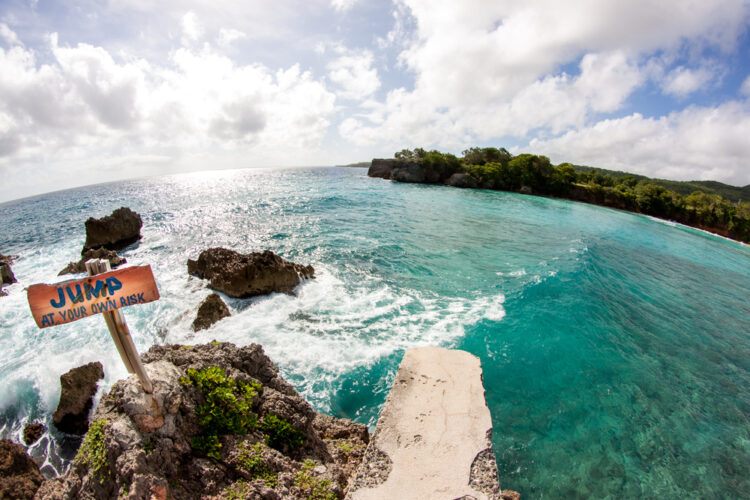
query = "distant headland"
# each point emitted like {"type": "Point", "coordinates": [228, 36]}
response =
{"type": "Point", "coordinates": [707, 205]}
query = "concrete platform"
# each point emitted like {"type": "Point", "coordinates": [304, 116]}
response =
{"type": "Point", "coordinates": [433, 437]}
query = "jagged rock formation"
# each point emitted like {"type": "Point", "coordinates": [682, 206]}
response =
{"type": "Point", "coordinates": [211, 310]}
{"type": "Point", "coordinates": [32, 433]}
{"type": "Point", "coordinates": [77, 398]}
{"type": "Point", "coordinates": [95, 253]}
{"type": "Point", "coordinates": [19, 474]}
{"type": "Point", "coordinates": [248, 275]}
{"type": "Point", "coordinates": [170, 445]}
{"type": "Point", "coordinates": [113, 232]}
{"type": "Point", "coordinates": [6, 273]}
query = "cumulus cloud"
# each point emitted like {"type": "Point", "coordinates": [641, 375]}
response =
{"type": "Point", "coordinates": [88, 102]}
{"type": "Point", "coordinates": [745, 89]}
{"type": "Point", "coordinates": [354, 74]}
{"type": "Point", "coordinates": [541, 68]}
{"type": "Point", "coordinates": [192, 29]}
{"type": "Point", "coordinates": [9, 35]}
{"type": "Point", "coordinates": [683, 81]}
{"type": "Point", "coordinates": [698, 143]}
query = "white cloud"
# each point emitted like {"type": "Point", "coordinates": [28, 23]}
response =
{"type": "Point", "coordinates": [698, 143]}
{"type": "Point", "coordinates": [9, 35]}
{"type": "Point", "coordinates": [227, 36]}
{"type": "Point", "coordinates": [505, 73]}
{"type": "Point", "coordinates": [87, 104]}
{"type": "Point", "coordinates": [354, 74]}
{"type": "Point", "coordinates": [192, 29]}
{"type": "Point", "coordinates": [342, 5]}
{"type": "Point", "coordinates": [745, 89]}
{"type": "Point", "coordinates": [683, 81]}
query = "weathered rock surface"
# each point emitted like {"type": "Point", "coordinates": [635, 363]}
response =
{"type": "Point", "coordinates": [433, 438]}
{"type": "Point", "coordinates": [6, 273]}
{"type": "Point", "coordinates": [211, 310]}
{"type": "Point", "coordinates": [19, 474]}
{"type": "Point", "coordinates": [113, 232]}
{"type": "Point", "coordinates": [248, 275]}
{"type": "Point", "coordinates": [409, 172]}
{"type": "Point", "coordinates": [32, 433]}
{"type": "Point", "coordinates": [77, 398]}
{"type": "Point", "coordinates": [93, 253]}
{"type": "Point", "coordinates": [147, 440]}
{"type": "Point", "coordinates": [462, 180]}
{"type": "Point", "coordinates": [383, 167]}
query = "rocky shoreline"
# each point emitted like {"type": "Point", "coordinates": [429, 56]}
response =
{"type": "Point", "coordinates": [221, 423]}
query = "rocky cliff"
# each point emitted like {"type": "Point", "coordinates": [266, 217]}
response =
{"type": "Point", "coordinates": [221, 423]}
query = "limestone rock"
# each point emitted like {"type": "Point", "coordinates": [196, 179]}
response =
{"type": "Point", "coordinates": [383, 167]}
{"type": "Point", "coordinates": [93, 253]}
{"type": "Point", "coordinates": [6, 274]}
{"type": "Point", "coordinates": [461, 180]}
{"type": "Point", "coordinates": [433, 438]}
{"type": "Point", "coordinates": [76, 398]}
{"type": "Point", "coordinates": [248, 275]}
{"type": "Point", "coordinates": [115, 231]}
{"type": "Point", "coordinates": [148, 438]}
{"type": "Point", "coordinates": [32, 433]}
{"type": "Point", "coordinates": [211, 310]}
{"type": "Point", "coordinates": [409, 172]}
{"type": "Point", "coordinates": [19, 474]}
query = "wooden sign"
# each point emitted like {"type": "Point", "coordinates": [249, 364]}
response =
{"type": "Point", "coordinates": [72, 300]}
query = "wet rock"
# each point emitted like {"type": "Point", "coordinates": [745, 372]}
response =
{"type": "Point", "coordinates": [32, 433]}
{"type": "Point", "coordinates": [76, 398]}
{"type": "Point", "coordinates": [248, 275]}
{"type": "Point", "coordinates": [510, 495]}
{"type": "Point", "coordinates": [95, 253]}
{"type": "Point", "coordinates": [113, 232]}
{"type": "Point", "coordinates": [211, 310]}
{"type": "Point", "coordinates": [147, 441]}
{"type": "Point", "coordinates": [19, 474]}
{"type": "Point", "coordinates": [6, 274]}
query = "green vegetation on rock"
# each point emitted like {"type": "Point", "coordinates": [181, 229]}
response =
{"type": "Point", "coordinates": [251, 460]}
{"type": "Point", "coordinates": [312, 487]}
{"type": "Point", "coordinates": [697, 203]}
{"type": "Point", "coordinates": [93, 450]}
{"type": "Point", "coordinates": [227, 408]}
{"type": "Point", "coordinates": [279, 433]}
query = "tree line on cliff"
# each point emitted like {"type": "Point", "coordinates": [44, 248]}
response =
{"type": "Point", "coordinates": [498, 169]}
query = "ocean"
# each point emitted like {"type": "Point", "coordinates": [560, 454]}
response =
{"type": "Point", "coordinates": [615, 347]}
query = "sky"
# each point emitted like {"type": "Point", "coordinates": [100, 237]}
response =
{"type": "Point", "coordinates": [96, 91]}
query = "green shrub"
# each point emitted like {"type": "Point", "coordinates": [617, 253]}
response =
{"type": "Point", "coordinates": [280, 433]}
{"type": "Point", "coordinates": [227, 408]}
{"type": "Point", "coordinates": [312, 487]}
{"type": "Point", "coordinates": [251, 460]}
{"type": "Point", "coordinates": [93, 450]}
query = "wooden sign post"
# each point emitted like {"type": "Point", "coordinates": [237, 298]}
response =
{"type": "Point", "coordinates": [103, 292]}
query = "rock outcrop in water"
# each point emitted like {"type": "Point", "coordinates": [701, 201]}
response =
{"type": "Point", "coordinates": [248, 275]}
{"type": "Point", "coordinates": [6, 273]}
{"type": "Point", "coordinates": [19, 474]}
{"type": "Point", "coordinates": [113, 232]}
{"type": "Point", "coordinates": [221, 423]}
{"type": "Point", "coordinates": [77, 398]}
{"type": "Point", "coordinates": [95, 253]}
{"type": "Point", "coordinates": [32, 433]}
{"type": "Point", "coordinates": [211, 310]}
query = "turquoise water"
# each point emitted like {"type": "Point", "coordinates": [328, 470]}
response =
{"type": "Point", "coordinates": [615, 348]}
